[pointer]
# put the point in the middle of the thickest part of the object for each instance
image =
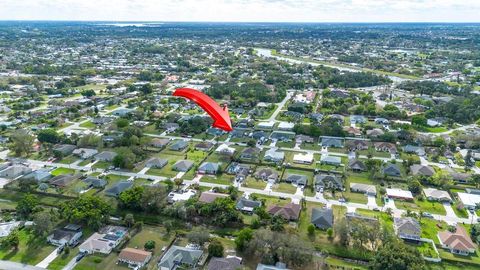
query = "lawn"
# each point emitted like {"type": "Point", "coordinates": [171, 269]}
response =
{"type": "Point", "coordinates": [62, 171]}
{"type": "Point", "coordinates": [361, 178]}
{"type": "Point", "coordinates": [31, 249]}
{"type": "Point", "coordinates": [460, 213]}
{"type": "Point", "coordinates": [425, 206]}
{"type": "Point", "coordinates": [472, 259]}
{"type": "Point", "coordinates": [285, 188]}
{"type": "Point", "coordinates": [88, 124]}
{"type": "Point", "coordinates": [85, 162]}
{"type": "Point", "coordinates": [254, 183]}
{"type": "Point", "coordinates": [101, 165]}
{"type": "Point", "coordinates": [431, 227]}
{"type": "Point", "coordinates": [68, 160]}
{"type": "Point", "coordinates": [224, 179]}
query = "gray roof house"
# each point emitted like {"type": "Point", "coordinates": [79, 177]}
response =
{"type": "Point", "coordinates": [85, 152]}
{"type": "Point", "coordinates": [155, 162]}
{"type": "Point", "coordinates": [266, 174]}
{"type": "Point", "coordinates": [247, 205]}
{"type": "Point", "coordinates": [332, 142]}
{"type": "Point", "coordinates": [322, 218]}
{"type": "Point", "coordinates": [179, 256]}
{"type": "Point", "coordinates": [159, 143]}
{"type": "Point", "coordinates": [328, 181]}
{"type": "Point", "coordinates": [209, 168]}
{"type": "Point", "coordinates": [277, 266]}
{"type": "Point", "coordinates": [417, 169]}
{"type": "Point", "coordinates": [331, 160]}
{"type": "Point", "coordinates": [182, 165]}
{"type": "Point", "coordinates": [228, 263]}
{"type": "Point", "coordinates": [118, 188]}
{"type": "Point", "coordinates": [14, 171]}
{"type": "Point", "coordinates": [41, 175]}
{"type": "Point", "coordinates": [357, 165]}
{"type": "Point", "coordinates": [95, 182]}
{"type": "Point", "coordinates": [65, 149]}
{"type": "Point", "coordinates": [363, 188]}
{"type": "Point", "coordinates": [122, 112]}
{"type": "Point", "coordinates": [250, 153]}
{"type": "Point", "coordinates": [407, 228]}
{"type": "Point", "coordinates": [300, 180]}
{"type": "Point", "coordinates": [391, 169]}
{"type": "Point", "coordinates": [179, 145]}
{"type": "Point", "coordinates": [273, 155]}
{"type": "Point", "coordinates": [107, 156]}
{"type": "Point", "coordinates": [414, 150]}
{"type": "Point", "coordinates": [357, 119]}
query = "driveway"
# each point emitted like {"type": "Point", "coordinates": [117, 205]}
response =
{"type": "Point", "coordinates": [390, 204]}
{"type": "Point", "coordinates": [449, 210]}
{"type": "Point", "coordinates": [4, 181]}
{"type": "Point", "coordinates": [48, 259]}
{"type": "Point", "coordinates": [8, 265]}
{"type": "Point", "coordinates": [371, 201]}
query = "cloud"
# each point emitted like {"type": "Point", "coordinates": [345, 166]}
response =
{"type": "Point", "coordinates": [242, 10]}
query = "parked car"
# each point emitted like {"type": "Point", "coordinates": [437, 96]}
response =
{"type": "Point", "coordinates": [80, 256]}
{"type": "Point", "coordinates": [427, 215]}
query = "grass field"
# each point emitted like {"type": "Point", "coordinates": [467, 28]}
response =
{"type": "Point", "coordinates": [62, 171]}
{"type": "Point", "coordinates": [31, 249]}
{"type": "Point", "coordinates": [88, 125]}
{"type": "Point", "coordinates": [284, 187]}
{"type": "Point", "coordinates": [254, 183]}
{"type": "Point", "coordinates": [224, 179]}
{"type": "Point", "coordinates": [68, 160]}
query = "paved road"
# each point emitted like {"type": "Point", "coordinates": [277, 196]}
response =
{"type": "Point", "coordinates": [8, 265]}
{"type": "Point", "coordinates": [280, 107]}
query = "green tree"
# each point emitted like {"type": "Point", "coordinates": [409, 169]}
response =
{"type": "Point", "coordinates": [198, 235]}
{"type": "Point", "coordinates": [12, 240]}
{"type": "Point", "coordinates": [92, 211]}
{"type": "Point", "coordinates": [215, 248]}
{"type": "Point", "coordinates": [43, 223]}
{"type": "Point", "coordinates": [48, 135]}
{"type": "Point", "coordinates": [27, 206]}
{"type": "Point", "coordinates": [131, 198]}
{"type": "Point", "coordinates": [311, 229]}
{"type": "Point", "coordinates": [21, 141]}
{"type": "Point", "coordinates": [243, 238]}
{"type": "Point", "coordinates": [149, 245]}
{"type": "Point", "coordinates": [122, 122]}
{"type": "Point", "coordinates": [395, 254]}
{"type": "Point", "coordinates": [129, 220]}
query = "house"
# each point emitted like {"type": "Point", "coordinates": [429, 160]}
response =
{"type": "Point", "coordinates": [298, 179]}
{"type": "Point", "coordinates": [247, 205]}
{"type": "Point", "coordinates": [104, 241]}
{"type": "Point", "coordinates": [354, 145]}
{"type": "Point", "coordinates": [7, 227]}
{"type": "Point", "coordinates": [407, 228]}
{"type": "Point", "coordinates": [322, 218]}
{"type": "Point", "coordinates": [266, 125]}
{"type": "Point", "coordinates": [357, 119]}
{"type": "Point", "coordinates": [336, 142]}
{"type": "Point", "coordinates": [391, 169]}
{"type": "Point", "coordinates": [14, 171]}
{"type": "Point", "coordinates": [63, 180]}
{"type": "Point", "coordinates": [40, 175]}
{"type": "Point", "coordinates": [228, 263]}
{"type": "Point", "coordinates": [290, 211]}
{"type": "Point", "coordinates": [376, 132]}
{"type": "Point", "coordinates": [411, 149]}
{"type": "Point", "coordinates": [266, 174]}
{"type": "Point", "coordinates": [303, 158]}
{"type": "Point", "coordinates": [135, 258]}
{"type": "Point", "coordinates": [331, 160]}
{"type": "Point", "coordinates": [381, 121]}
{"type": "Point", "coordinates": [396, 193]}
{"type": "Point", "coordinates": [272, 155]}
{"type": "Point", "coordinates": [93, 182]}
{"type": "Point", "coordinates": [328, 181]}
{"type": "Point", "coordinates": [64, 149]}
{"type": "Point", "coordinates": [224, 149]}
{"type": "Point", "coordinates": [459, 177]}
{"type": "Point", "coordinates": [303, 139]}
{"type": "Point", "coordinates": [285, 126]}
{"type": "Point", "coordinates": [106, 156]}
{"type": "Point", "coordinates": [283, 136]}
{"type": "Point", "coordinates": [121, 112]}
{"type": "Point", "coordinates": [352, 131]}
{"type": "Point", "coordinates": [433, 194]}
{"type": "Point", "coordinates": [179, 145]}
{"type": "Point", "coordinates": [363, 188]}
{"type": "Point", "coordinates": [68, 235]}
{"type": "Point", "coordinates": [180, 195]}
{"type": "Point", "coordinates": [469, 200]}
{"type": "Point", "coordinates": [417, 169]}
{"type": "Point", "coordinates": [182, 165]}
{"type": "Point", "coordinates": [357, 165]}
{"type": "Point", "coordinates": [176, 257]}
{"type": "Point", "coordinates": [385, 147]}
{"type": "Point", "coordinates": [85, 153]}
{"type": "Point", "coordinates": [118, 188]}
{"type": "Point", "coordinates": [159, 143]}
{"type": "Point", "coordinates": [204, 146]}
{"type": "Point", "coordinates": [209, 197]}
{"type": "Point", "coordinates": [277, 266]}
{"type": "Point", "coordinates": [157, 163]}
{"type": "Point", "coordinates": [458, 242]}
{"type": "Point", "coordinates": [209, 168]}
{"type": "Point", "coordinates": [250, 153]}
{"type": "Point", "coordinates": [171, 127]}
{"type": "Point", "coordinates": [215, 132]}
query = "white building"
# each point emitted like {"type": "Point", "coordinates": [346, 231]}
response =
{"type": "Point", "coordinates": [469, 200]}
{"type": "Point", "coordinates": [306, 158]}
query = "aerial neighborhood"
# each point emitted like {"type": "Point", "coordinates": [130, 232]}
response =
{"type": "Point", "coordinates": [339, 155]}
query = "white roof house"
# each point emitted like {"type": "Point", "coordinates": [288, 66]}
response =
{"type": "Point", "coordinates": [434, 194]}
{"type": "Point", "coordinates": [303, 158]}
{"type": "Point", "coordinates": [177, 196]}
{"type": "Point", "coordinates": [225, 149]}
{"type": "Point", "coordinates": [286, 125]}
{"type": "Point", "coordinates": [469, 200]}
{"type": "Point", "coordinates": [266, 125]}
{"type": "Point", "coordinates": [7, 227]}
{"type": "Point", "coordinates": [399, 194]}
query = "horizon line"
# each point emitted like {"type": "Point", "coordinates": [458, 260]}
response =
{"type": "Point", "coordinates": [292, 22]}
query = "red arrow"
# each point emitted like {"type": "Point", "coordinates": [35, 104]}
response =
{"type": "Point", "coordinates": [220, 116]}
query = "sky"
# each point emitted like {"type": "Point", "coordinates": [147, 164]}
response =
{"type": "Point", "coordinates": [244, 10]}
